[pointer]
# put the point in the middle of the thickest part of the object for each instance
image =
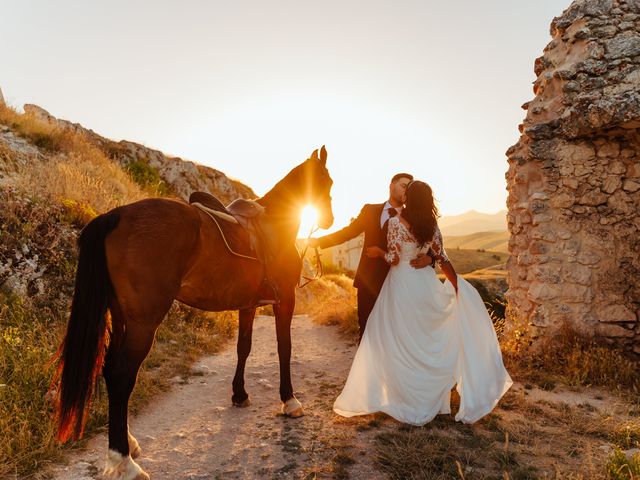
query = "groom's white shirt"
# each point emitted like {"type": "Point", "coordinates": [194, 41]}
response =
{"type": "Point", "coordinates": [385, 213]}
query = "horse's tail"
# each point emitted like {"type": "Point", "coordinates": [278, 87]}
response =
{"type": "Point", "coordinates": [82, 351]}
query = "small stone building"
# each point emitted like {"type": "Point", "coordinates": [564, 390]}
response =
{"type": "Point", "coordinates": [574, 179]}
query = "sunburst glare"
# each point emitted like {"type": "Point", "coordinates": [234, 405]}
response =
{"type": "Point", "coordinates": [308, 219]}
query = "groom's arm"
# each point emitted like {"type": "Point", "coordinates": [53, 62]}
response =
{"type": "Point", "coordinates": [355, 228]}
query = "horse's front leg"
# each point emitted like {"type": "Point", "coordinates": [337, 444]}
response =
{"type": "Point", "coordinates": [240, 396]}
{"type": "Point", "coordinates": [284, 313]}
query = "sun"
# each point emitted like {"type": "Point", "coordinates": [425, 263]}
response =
{"type": "Point", "coordinates": [308, 219]}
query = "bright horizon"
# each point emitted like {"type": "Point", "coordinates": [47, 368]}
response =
{"type": "Point", "coordinates": [251, 88]}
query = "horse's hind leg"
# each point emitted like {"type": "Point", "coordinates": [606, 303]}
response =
{"type": "Point", "coordinates": [126, 353]}
{"type": "Point", "coordinates": [240, 396]}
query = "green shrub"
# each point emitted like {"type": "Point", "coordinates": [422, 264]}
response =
{"type": "Point", "coordinates": [147, 177]}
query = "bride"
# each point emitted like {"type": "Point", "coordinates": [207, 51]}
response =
{"type": "Point", "coordinates": [423, 336]}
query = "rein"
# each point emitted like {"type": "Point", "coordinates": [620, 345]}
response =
{"type": "Point", "coordinates": [224, 239]}
{"type": "Point", "coordinates": [318, 267]}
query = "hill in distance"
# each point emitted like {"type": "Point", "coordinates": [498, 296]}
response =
{"type": "Point", "coordinates": [488, 241]}
{"type": "Point", "coordinates": [473, 222]}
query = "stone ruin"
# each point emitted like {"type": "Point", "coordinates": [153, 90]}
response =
{"type": "Point", "coordinates": [574, 180]}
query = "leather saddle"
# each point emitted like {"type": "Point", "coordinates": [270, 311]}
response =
{"type": "Point", "coordinates": [244, 230]}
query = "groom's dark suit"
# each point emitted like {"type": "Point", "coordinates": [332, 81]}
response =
{"type": "Point", "coordinates": [371, 271]}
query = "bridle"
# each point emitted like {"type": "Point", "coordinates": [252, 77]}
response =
{"type": "Point", "coordinates": [318, 262]}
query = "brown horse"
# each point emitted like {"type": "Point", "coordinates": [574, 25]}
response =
{"type": "Point", "coordinates": [136, 259]}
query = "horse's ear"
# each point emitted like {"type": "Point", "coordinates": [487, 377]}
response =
{"type": "Point", "coordinates": [323, 155]}
{"type": "Point", "coordinates": [314, 155]}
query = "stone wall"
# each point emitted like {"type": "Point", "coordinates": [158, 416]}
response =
{"type": "Point", "coordinates": [574, 179]}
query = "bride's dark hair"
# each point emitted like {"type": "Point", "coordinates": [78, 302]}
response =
{"type": "Point", "coordinates": [420, 211]}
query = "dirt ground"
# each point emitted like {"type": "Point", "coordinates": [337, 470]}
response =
{"type": "Point", "coordinates": [193, 432]}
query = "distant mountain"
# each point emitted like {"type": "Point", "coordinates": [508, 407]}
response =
{"type": "Point", "coordinates": [488, 241]}
{"type": "Point", "coordinates": [473, 222]}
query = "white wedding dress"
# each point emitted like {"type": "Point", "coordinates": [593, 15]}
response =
{"type": "Point", "coordinates": [420, 341]}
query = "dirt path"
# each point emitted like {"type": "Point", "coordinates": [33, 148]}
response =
{"type": "Point", "coordinates": [193, 432]}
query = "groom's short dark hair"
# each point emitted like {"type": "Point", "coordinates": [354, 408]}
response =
{"type": "Point", "coordinates": [398, 176]}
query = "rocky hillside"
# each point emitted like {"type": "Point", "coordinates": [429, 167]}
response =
{"type": "Point", "coordinates": [56, 175]}
{"type": "Point", "coordinates": [182, 176]}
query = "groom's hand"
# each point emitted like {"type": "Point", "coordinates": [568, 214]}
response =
{"type": "Point", "coordinates": [374, 252]}
{"type": "Point", "coordinates": [421, 261]}
{"type": "Point", "coordinates": [313, 243]}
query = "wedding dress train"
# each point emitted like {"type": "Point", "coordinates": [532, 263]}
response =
{"type": "Point", "coordinates": [420, 341]}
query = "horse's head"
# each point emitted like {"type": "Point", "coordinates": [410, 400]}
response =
{"type": "Point", "coordinates": [318, 184]}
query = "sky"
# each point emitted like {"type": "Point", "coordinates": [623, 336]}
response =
{"type": "Point", "coordinates": [251, 88]}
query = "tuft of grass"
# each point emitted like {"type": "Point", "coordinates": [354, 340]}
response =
{"type": "Point", "coordinates": [573, 358]}
{"type": "Point", "coordinates": [7, 159]}
{"type": "Point", "coordinates": [619, 467]}
{"type": "Point", "coordinates": [78, 214]}
{"type": "Point", "coordinates": [74, 170]}
{"type": "Point", "coordinates": [341, 462]}
{"type": "Point", "coordinates": [626, 435]}
{"type": "Point", "coordinates": [331, 300]}
{"type": "Point", "coordinates": [418, 453]}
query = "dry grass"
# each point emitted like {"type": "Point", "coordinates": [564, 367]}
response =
{"type": "Point", "coordinates": [520, 439]}
{"type": "Point", "coordinates": [74, 171]}
{"type": "Point", "coordinates": [7, 161]}
{"type": "Point", "coordinates": [467, 261]}
{"type": "Point", "coordinates": [36, 234]}
{"type": "Point", "coordinates": [42, 134]}
{"type": "Point", "coordinates": [418, 453]}
{"type": "Point", "coordinates": [29, 338]}
{"type": "Point", "coordinates": [331, 300]}
{"type": "Point", "coordinates": [86, 179]}
{"type": "Point", "coordinates": [572, 358]}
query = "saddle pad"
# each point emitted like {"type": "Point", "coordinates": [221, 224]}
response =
{"type": "Point", "coordinates": [235, 235]}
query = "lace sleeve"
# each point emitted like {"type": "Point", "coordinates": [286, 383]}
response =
{"type": "Point", "coordinates": [393, 240]}
{"type": "Point", "coordinates": [438, 248]}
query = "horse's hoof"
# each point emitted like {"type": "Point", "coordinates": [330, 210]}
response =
{"type": "Point", "coordinates": [121, 467]}
{"type": "Point", "coordinates": [134, 447]}
{"type": "Point", "coordinates": [292, 408]}
{"type": "Point", "coordinates": [244, 404]}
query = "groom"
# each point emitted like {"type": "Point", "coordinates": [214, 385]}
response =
{"type": "Point", "coordinates": [372, 220]}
